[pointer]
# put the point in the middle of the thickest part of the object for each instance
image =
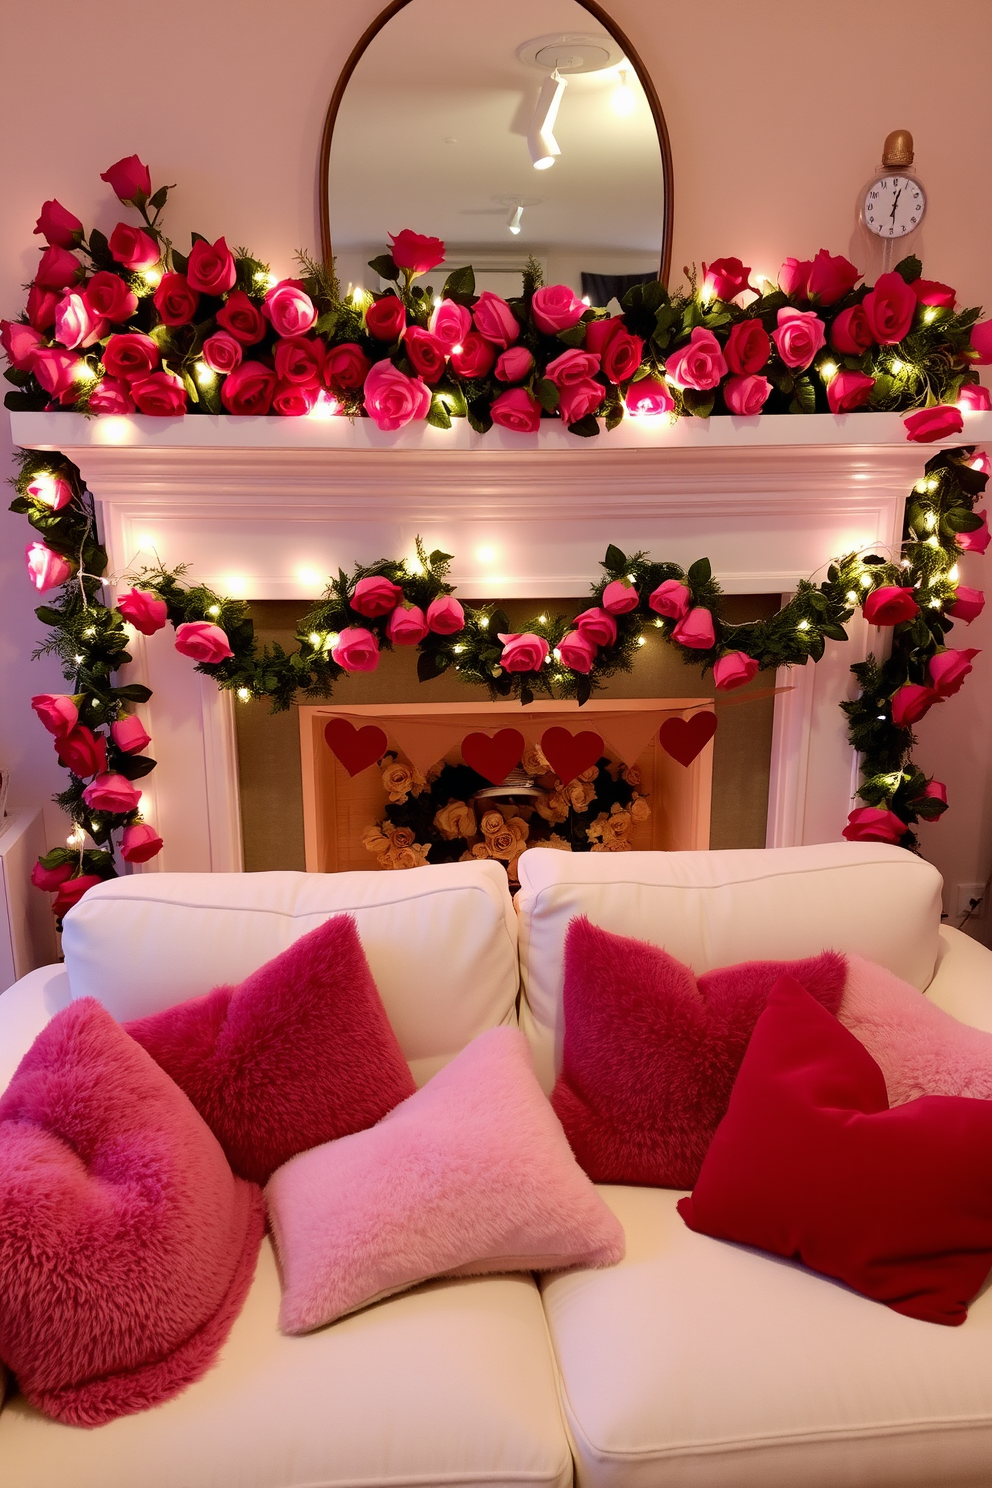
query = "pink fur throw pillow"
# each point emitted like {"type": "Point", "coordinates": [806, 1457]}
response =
{"type": "Point", "coordinates": [651, 1051]}
{"type": "Point", "coordinates": [298, 1054]}
{"type": "Point", "coordinates": [127, 1246]}
{"type": "Point", "coordinates": [472, 1174]}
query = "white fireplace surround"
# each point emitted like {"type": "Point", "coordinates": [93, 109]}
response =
{"type": "Point", "coordinates": [265, 508]}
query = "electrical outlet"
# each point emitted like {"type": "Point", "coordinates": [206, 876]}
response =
{"type": "Point", "coordinates": [965, 893]}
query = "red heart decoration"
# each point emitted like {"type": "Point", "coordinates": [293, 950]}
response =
{"type": "Point", "coordinates": [493, 758]}
{"type": "Point", "coordinates": [570, 754]}
{"type": "Point", "coordinates": [355, 748]}
{"type": "Point", "coordinates": [684, 738]}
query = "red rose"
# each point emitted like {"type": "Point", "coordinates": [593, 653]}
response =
{"type": "Point", "coordinates": [874, 824]}
{"type": "Point", "coordinates": [912, 702]}
{"type": "Point", "coordinates": [203, 642]}
{"type": "Point", "coordinates": [129, 734]}
{"type": "Point", "coordinates": [724, 278]}
{"type": "Point", "coordinates": [174, 300]}
{"type": "Point", "coordinates": [82, 751]}
{"type": "Point", "coordinates": [346, 366]}
{"type": "Point", "coordinates": [799, 337]}
{"type": "Point", "coordinates": [41, 307]}
{"type": "Point", "coordinates": [376, 595]}
{"type": "Point", "coordinates": [160, 394]}
{"type": "Point", "coordinates": [111, 396]}
{"type": "Point", "coordinates": [495, 320]}
{"type": "Point", "coordinates": [57, 370]}
{"type": "Point", "coordinates": [977, 540]}
{"type": "Point", "coordinates": [241, 318]}
{"type": "Point", "coordinates": [622, 356]}
{"type": "Point", "coordinates": [143, 609]}
{"type": "Point", "coordinates": [573, 366]}
{"type": "Point", "coordinates": [599, 333]}
{"type": "Point", "coordinates": [72, 891]}
{"type": "Point", "coordinates": [932, 292]}
{"type": "Point", "coordinates": [577, 399]}
{"type": "Point", "coordinates": [974, 398]}
{"type": "Point", "coordinates": [450, 323]}
{"type": "Point", "coordinates": [50, 879]}
{"type": "Point", "coordinates": [746, 396]}
{"type": "Point", "coordinates": [56, 711]}
{"type": "Point", "coordinates": [249, 389]}
{"type": "Point", "coordinates": [890, 308]}
{"type": "Point", "coordinates": [517, 410]}
{"type": "Point", "coordinates": [57, 269]}
{"type": "Point", "coordinates": [133, 247]}
{"type": "Point", "coordinates": [290, 309]}
{"type": "Point", "coordinates": [850, 333]}
{"type": "Point", "coordinates": [58, 227]}
{"type": "Point", "coordinates": [130, 355]}
{"type": "Point", "coordinates": [949, 668]}
{"type": "Point", "coordinates": [416, 253]}
{"type": "Point", "coordinates": [474, 357]}
{"type": "Point", "coordinates": [108, 296]}
{"type": "Point", "coordinates": [425, 352]}
{"type": "Point", "coordinates": [294, 399]}
{"type": "Point", "coordinates": [211, 267]}
{"type": "Point", "coordinates": [793, 277]}
{"type": "Point", "coordinates": [222, 352]}
{"type": "Point", "coordinates": [385, 318]}
{"type": "Point", "coordinates": [734, 669]}
{"type": "Point", "coordinates": [111, 792]}
{"type": "Point", "coordinates": [445, 615]}
{"type": "Point", "coordinates": [939, 422]}
{"type": "Point", "coordinates": [139, 843]}
{"type": "Point", "coordinates": [748, 347]}
{"type": "Point", "coordinates": [21, 343]}
{"type": "Point", "coordinates": [830, 278]}
{"type": "Point", "coordinates": [847, 390]}
{"type": "Point", "coordinates": [968, 604]}
{"type": "Point", "coordinates": [555, 308]}
{"type": "Point", "coordinates": [299, 359]}
{"type": "Point", "coordinates": [890, 605]}
{"type": "Point", "coordinates": [980, 351]}
{"type": "Point", "coordinates": [128, 179]}
{"type": "Point", "coordinates": [648, 397]}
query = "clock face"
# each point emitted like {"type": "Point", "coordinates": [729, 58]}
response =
{"type": "Point", "coordinates": [894, 206]}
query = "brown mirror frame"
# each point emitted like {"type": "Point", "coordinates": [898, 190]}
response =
{"type": "Point", "coordinates": [595, 10]}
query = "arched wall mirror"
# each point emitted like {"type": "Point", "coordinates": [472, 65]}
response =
{"type": "Point", "coordinates": [509, 129]}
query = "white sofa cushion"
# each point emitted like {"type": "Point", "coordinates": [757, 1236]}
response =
{"type": "Point", "coordinates": [451, 1384]}
{"type": "Point", "coordinates": [700, 1364]}
{"type": "Point", "coordinates": [441, 943]}
{"type": "Point", "coordinates": [716, 908]}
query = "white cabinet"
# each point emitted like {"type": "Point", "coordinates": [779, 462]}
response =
{"type": "Point", "coordinates": [27, 929]}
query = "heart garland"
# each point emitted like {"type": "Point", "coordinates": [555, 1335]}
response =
{"type": "Point", "coordinates": [355, 748]}
{"type": "Point", "coordinates": [495, 757]}
{"type": "Point", "coordinates": [570, 754]}
{"type": "Point", "coordinates": [684, 738]}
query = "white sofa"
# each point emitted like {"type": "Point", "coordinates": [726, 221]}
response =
{"type": "Point", "coordinates": [693, 1364]}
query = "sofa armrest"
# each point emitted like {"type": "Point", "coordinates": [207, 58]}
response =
{"type": "Point", "coordinates": [962, 979]}
{"type": "Point", "coordinates": [25, 1008]}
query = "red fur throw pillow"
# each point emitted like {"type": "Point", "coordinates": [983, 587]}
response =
{"type": "Point", "coordinates": [298, 1054]}
{"type": "Point", "coordinates": [651, 1051]}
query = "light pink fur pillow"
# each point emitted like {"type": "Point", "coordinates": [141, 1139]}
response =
{"type": "Point", "coordinates": [472, 1174]}
{"type": "Point", "coordinates": [920, 1049]}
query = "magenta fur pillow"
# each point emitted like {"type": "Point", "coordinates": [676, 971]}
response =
{"type": "Point", "coordinates": [127, 1246]}
{"type": "Point", "coordinates": [651, 1051]}
{"type": "Point", "coordinates": [298, 1054]}
{"type": "Point", "coordinates": [471, 1175]}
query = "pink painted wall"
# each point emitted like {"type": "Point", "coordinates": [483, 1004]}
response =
{"type": "Point", "coordinates": [777, 113]}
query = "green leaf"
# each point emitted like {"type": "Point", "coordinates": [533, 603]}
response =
{"type": "Point", "coordinates": [583, 690]}
{"type": "Point", "coordinates": [438, 557]}
{"type": "Point", "coordinates": [547, 394]}
{"type": "Point", "coordinates": [100, 250]}
{"type": "Point", "coordinates": [196, 237]}
{"type": "Point", "coordinates": [438, 416]}
{"type": "Point", "coordinates": [574, 336]}
{"type": "Point", "coordinates": [134, 692]}
{"type": "Point", "coordinates": [499, 621]}
{"type": "Point", "coordinates": [698, 403]}
{"type": "Point", "coordinates": [429, 666]}
{"type": "Point", "coordinates": [909, 269]}
{"type": "Point", "coordinates": [19, 402]}
{"type": "Point", "coordinates": [134, 766]}
{"type": "Point", "coordinates": [158, 201]}
{"type": "Point", "coordinates": [460, 285]}
{"type": "Point", "coordinates": [614, 415]}
{"type": "Point", "coordinates": [961, 521]}
{"type": "Point", "coordinates": [615, 561]}
{"type": "Point", "coordinates": [586, 428]}
{"type": "Point", "coordinates": [479, 415]}
{"type": "Point", "coordinates": [805, 396]}
{"type": "Point", "coordinates": [19, 376]}
{"type": "Point", "coordinates": [816, 646]}
{"type": "Point", "coordinates": [833, 632]}
{"type": "Point", "coordinates": [647, 296]}
{"type": "Point", "coordinates": [700, 572]}
{"type": "Point", "coordinates": [526, 695]}
{"type": "Point", "coordinates": [179, 262]}
{"type": "Point", "coordinates": [385, 267]}
{"type": "Point", "coordinates": [191, 387]}
{"type": "Point", "coordinates": [327, 322]}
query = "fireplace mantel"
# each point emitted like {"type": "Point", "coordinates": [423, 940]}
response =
{"type": "Point", "coordinates": [265, 508]}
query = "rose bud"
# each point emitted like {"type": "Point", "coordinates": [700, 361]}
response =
{"type": "Point", "coordinates": [161, 394]}
{"type": "Point", "coordinates": [203, 642]}
{"type": "Point", "coordinates": [108, 297]}
{"type": "Point", "coordinates": [724, 278]}
{"type": "Point", "coordinates": [911, 702]}
{"type": "Point", "coordinates": [445, 615]}
{"type": "Point", "coordinates": [130, 356]}
{"type": "Point", "coordinates": [58, 226]}
{"type": "Point", "coordinates": [406, 625]}
{"type": "Point", "coordinates": [50, 879]}
{"type": "Point", "coordinates": [830, 278]}
{"type": "Point", "coordinates": [415, 252]}
{"type": "Point", "coordinates": [82, 751]}
{"type": "Point", "coordinates": [799, 337]}
{"type": "Point", "coordinates": [289, 308]}
{"type": "Point", "coordinates": [129, 734]}
{"type": "Point", "coordinates": [874, 824]}
{"type": "Point", "coordinates": [357, 649]}
{"type": "Point", "coordinates": [222, 352]}
{"type": "Point", "coordinates": [974, 398]}
{"type": "Point", "coordinates": [577, 652]}
{"type": "Point", "coordinates": [425, 352]}
{"type": "Point", "coordinates": [980, 351]}
{"type": "Point", "coordinates": [113, 793]}
{"type": "Point", "coordinates": [850, 333]}
{"type": "Point", "coordinates": [932, 292]}
{"type": "Point", "coordinates": [620, 597]}
{"type": "Point", "coordinates": [21, 343]}
{"type": "Point", "coordinates": [72, 891]}
{"type": "Point", "coordinates": [241, 318]}
{"type": "Point", "coordinates": [75, 324]}
{"type": "Point", "coordinates": [175, 301]}
{"type": "Point", "coordinates": [514, 364]}
{"type": "Point", "coordinates": [134, 248]}
{"type": "Point", "coordinates": [696, 629]}
{"type": "Point", "coordinates": [978, 540]}
{"type": "Point", "coordinates": [143, 609]}
{"type": "Point", "coordinates": [346, 367]}
{"type": "Point", "coordinates": [46, 569]}
{"type": "Point", "coordinates": [249, 389]}
{"type": "Point", "coordinates": [699, 365]}
{"type": "Point", "coordinates": [748, 348]}
{"type": "Point", "coordinates": [746, 396]}
{"type": "Point", "coordinates": [41, 307]}
{"type": "Point", "coordinates": [949, 668]}
{"type": "Point", "coordinates": [968, 604]}
{"type": "Point", "coordinates": [648, 397]}
{"type": "Point", "coordinates": [517, 410]}
{"type": "Point", "coordinates": [58, 269]}
{"type": "Point", "coordinates": [936, 790]}
{"type": "Point", "coordinates": [597, 625]}
{"type": "Point", "coordinates": [848, 390]}
{"type": "Point", "coordinates": [578, 399]}
{"type": "Point", "coordinates": [524, 652]}
{"type": "Point", "coordinates": [110, 396]}
{"type": "Point", "coordinates": [129, 180]}
{"type": "Point", "coordinates": [495, 320]}
{"type": "Point", "coordinates": [890, 308]}
{"type": "Point", "coordinates": [890, 605]}
{"type": "Point", "coordinates": [555, 308]}
{"type": "Point", "coordinates": [139, 843]}
{"type": "Point", "coordinates": [56, 711]}
{"type": "Point", "coordinates": [385, 319]}
{"type": "Point", "coordinates": [671, 598]}
{"type": "Point", "coordinates": [376, 595]}
{"type": "Point", "coordinates": [793, 277]}
{"type": "Point", "coordinates": [939, 422]}
{"type": "Point", "coordinates": [450, 323]}
{"type": "Point", "coordinates": [734, 670]}
{"type": "Point", "coordinates": [474, 357]}
{"type": "Point", "coordinates": [50, 491]}
{"type": "Point", "coordinates": [211, 268]}
{"type": "Point", "coordinates": [392, 399]}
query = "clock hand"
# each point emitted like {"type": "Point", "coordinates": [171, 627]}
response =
{"type": "Point", "coordinates": [892, 214]}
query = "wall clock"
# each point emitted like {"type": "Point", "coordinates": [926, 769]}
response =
{"type": "Point", "coordinates": [894, 203]}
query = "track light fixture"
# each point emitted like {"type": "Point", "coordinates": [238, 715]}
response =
{"type": "Point", "coordinates": [513, 221]}
{"type": "Point", "coordinates": [541, 142]}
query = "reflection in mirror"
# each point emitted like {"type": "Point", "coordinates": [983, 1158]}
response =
{"type": "Point", "coordinates": [527, 132]}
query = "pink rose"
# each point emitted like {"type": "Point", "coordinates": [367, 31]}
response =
{"type": "Point", "coordinates": [573, 366]}
{"type": "Point", "coordinates": [648, 398]}
{"type": "Point", "coordinates": [299, 359]}
{"type": "Point", "coordinates": [850, 333]}
{"type": "Point", "coordinates": [58, 226]}
{"type": "Point", "coordinates": [130, 356]}
{"type": "Point", "coordinates": [386, 318]}
{"type": "Point", "coordinates": [977, 541]}
{"type": "Point", "coordinates": [620, 597]}
{"type": "Point", "coordinates": [847, 390]}
{"type": "Point", "coordinates": [129, 734]}
{"type": "Point", "coordinates": [734, 670]}
{"type": "Point", "coordinates": [450, 323]}
{"type": "Point", "coordinates": [932, 292]}
{"type": "Point", "coordinates": [161, 394]}
{"type": "Point", "coordinates": [72, 891]}
{"type": "Point", "coordinates": [376, 595]}
{"type": "Point", "coordinates": [474, 356]}
{"type": "Point", "coordinates": [890, 308]}
{"type": "Point", "coordinates": [425, 352]}
{"type": "Point", "coordinates": [939, 422]}
{"type": "Point", "coordinates": [203, 642]}
{"type": "Point", "coordinates": [140, 842]}
{"type": "Point", "coordinates": [82, 751]}
{"type": "Point", "coordinates": [111, 396]}
{"type": "Point", "coordinates": [41, 307]}
{"type": "Point", "coordinates": [58, 269]}
{"type": "Point", "coordinates": [724, 278]}
{"type": "Point", "coordinates": [143, 609]}
{"type": "Point", "coordinates": [911, 702]}
{"type": "Point", "coordinates": [289, 308]}
{"type": "Point", "coordinates": [134, 248]}
{"type": "Point", "coordinates": [597, 625]}
{"type": "Point", "coordinates": [346, 367]}
{"type": "Point", "coordinates": [830, 278]}
{"type": "Point", "coordinates": [20, 342]}
{"type": "Point", "coordinates": [241, 318]}
{"type": "Point", "coordinates": [696, 629]}
{"type": "Point", "coordinates": [50, 879]}
{"type": "Point", "coordinates": [108, 297]}
{"type": "Point", "coordinates": [890, 605]}
{"type": "Point", "coordinates": [113, 793]}
{"type": "Point", "coordinates": [46, 569]}
{"type": "Point", "coordinates": [415, 252]}
{"type": "Point", "coordinates": [222, 352]}
{"type": "Point", "coordinates": [128, 179]}
{"type": "Point", "coordinates": [746, 396]}
{"type": "Point", "coordinates": [671, 598]}
{"type": "Point", "coordinates": [514, 364]}
{"type": "Point", "coordinates": [748, 347]}
{"type": "Point", "coordinates": [75, 324]}
{"type": "Point", "coordinates": [577, 399]}
{"type": "Point", "coordinates": [968, 604]}
{"type": "Point", "coordinates": [517, 410]}
{"type": "Point", "coordinates": [622, 356]}
{"type": "Point", "coordinates": [211, 268]}
{"type": "Point", "coordinates": [392, 399]}
{"type": "Point", "coordinates": [50, 491]}
{"type": "Point", "coordinates": [249, 389]}
{"type": "Point", "coordinates": [525, 652]}
{"type": "Point", "coordinates": [175, 301]}
{"type": "Point", "coordinates": [577, 652]}
{"type": "Point", "coordinates": [698, 365]}
{"type": "Point", "coordinates": [495, 320]}
{"type": "Point", "coordinates": [406, 625]}
{"type": "Point", "coordinates": [980, 350]}
{"type": "Point", "coordinates": [294, 399]}
{"type": "Point", "coordinates": [58, 371]}
{"type": "Point", "coordinates": [445, 615]}
{"type": "Point", "coordinates": [949, 668]}
{"type": "Point", "coordinates": [357, 650]}
{"type": "Point", "coordinates": [874, 824]}
{"type": "Point", "coordinates": [56, 711]}
{"type": "Point", "coordinates": [554, 308]}
{"type": "Point", "coordinates": [799, 337]}
{"type": "Point", "coordinates": [793, 277]}
{"type": "Point", "coordinates": [974, 398]}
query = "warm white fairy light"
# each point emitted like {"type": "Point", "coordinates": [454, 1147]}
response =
{"type": "Point", "coordinates": [89, 632]}
{"type": "Point", "coordinates": [152, 277]}
{"type": "Point", "coordinates": [930, 520]}
{"type": "Point", "coordinates": [458, 650]}
{"type": "Point", "coordinates": [852, 598]}
{"type": "Point", "coordinates": [542, 619]}
{"type": "Point", "coordinates": [803, 625]}
{"type": "Point", "coordinates": [79, 660]}
{"type": "Point", "coordinates": [244, 695]}
{"type": "Point", "coordinates": [936, 604]}
{"type": "Point", "coordinates": [316, 638]}
{"type": "Point", "coordinates": [865, 580]}
{"type": "Point", "coordinates": [484, 622]}
{"type": "Point", "coordinates": [828, 370]}
{"type": "Point", "coordinates": [933, 542]}
{"type": "Point", "coordinates": [214, 611]}
{"type": "Point", "coordinates": [205, 376]}
{"type": "Point", "coordinates": [641, 639]}
{"type": "Point", "coordinates": [898, 366]}
{"type": "Point", "coordinates": [954, 574]}
{"type": "Point", "coordinates": [929, 315]}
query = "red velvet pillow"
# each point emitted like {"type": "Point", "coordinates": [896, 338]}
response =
{"type": "Point", "coordinates": [300, 1053]}
{"type": "Point", "coordinates": [810, 1162]}
{"type": "Point", "coordinates": [651, 1051]}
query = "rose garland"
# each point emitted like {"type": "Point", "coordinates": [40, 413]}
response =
{"type": "Point", "coordinates": [134, 325]}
